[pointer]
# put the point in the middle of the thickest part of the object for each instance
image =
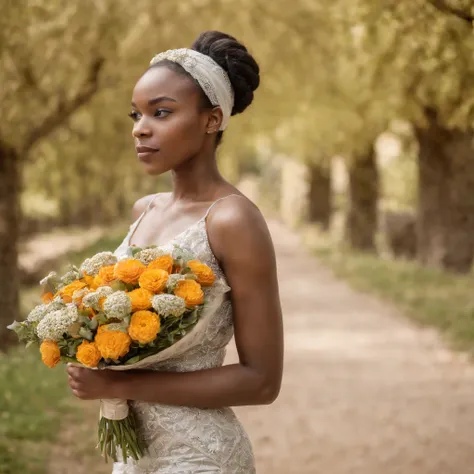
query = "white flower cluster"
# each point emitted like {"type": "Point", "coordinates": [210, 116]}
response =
{"type": "Point", "coordinates": [70, 276]}
{"type": "Point", "coordinates": [40, 311]}
{"type": "Point", "coordinates": [147, 256]}
{"type": "Point", "coordinates": [118, 305]}
{"type": "Point", "coordinates": [92, 265]}
{"type": "Point", "coordinates": [173, 281]}
{"type": "Point", "coordinates": [91, 300]}
{"type": "Point", "coordinates": [168, 305]}
{"type": "Point", "coordinates": [55, 324]}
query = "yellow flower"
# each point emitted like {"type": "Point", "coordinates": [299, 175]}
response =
{"type": "Point", "coordinates": [89, 280]}
{"type": "Point", "coordinates": [50, 353]}
{"type": "Point", "coordinates": [164, 262]}
{"type": "Point", "coordinates": [79, 296]}
{"type": "Point", "coordinates": [106, 274]}
{"type": "Point", "coordinates": [153, 280]}
{"type": "Point", "coordinates": [141, 299]}
{"type": "Point", "coordinates": [98, 281]}
{"type": "Point", "coordinates": [144, 326]}
{"type": "Point", "coordinates": [88, 354]}
{"type": "Point", "coordinates": [205, 275]}
{"type": "Point", "coordinates": [47, 297]}
{"type": "Point", "coordinates": [190, 291]}
{"type": "Point", "coordinates": [102, 328]}
{"type": "Point", "coordinates": [129, 270]}
{"type": "Point", "coordinates": [67, 292]}
{"type": "Point", "coordinates": [112, 344]}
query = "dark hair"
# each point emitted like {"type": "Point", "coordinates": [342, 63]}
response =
{"type": "Point", "coordinates": [233, 57]}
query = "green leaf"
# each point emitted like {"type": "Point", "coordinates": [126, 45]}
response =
{"type": "Point", "coordinates": [30, 344]}
{"type": "Point", "coordinates": [86, 333]}
{"type": "Point", "coordinates": [93, 323]}
{"type": "Point", "coordinates": [132, 360]}
{"type": "Point", "coordinates": [118, 285]}
{"type": "Point", "coordinates": [135, 250]}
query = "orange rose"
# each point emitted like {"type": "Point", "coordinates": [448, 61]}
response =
{"type": "Point", "coordinates": [98, 281]}
{"type": "Point", "coordinates": [205, 275]}
{"type": "Point", "coordinates": [112, 344]}
{"type": "Point", "coordinates": [67, 292]}
{"type": "Point", "coordinates": [88, 354]}
{"type": "Point", "coordinates": [101, 302]}
{"type": "Point", "coordinates": [47, 297]}
{"type": "Point", "coordinates": [141, 299]}
{"type": "Point", "coordinates": [129, 270]}
{"type": "Point", "coordinates": [102, 328]}
{"type": "Point", "coordinates": [190, 291]}
{"type": "Point", "coordinates": [144, 326]}
{"type": "Point", "coordinates": [106, 274]}
{"type": "Point", "coordinates": [88, 279]}
{"type": "Point", "coordinates": [79, 296]}
{"type": "Point", "coordinates": [153, 280]}
{"type": "Point", "coordinates": [164, 262]}
{"type": "Point", "coordinates": [50, 353]}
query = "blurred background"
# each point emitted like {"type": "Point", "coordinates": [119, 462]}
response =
{"type": "Point", "coordinates": [358, 148]}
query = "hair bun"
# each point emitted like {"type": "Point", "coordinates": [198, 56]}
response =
{"type": "Point", "coordinates": [233, 57]}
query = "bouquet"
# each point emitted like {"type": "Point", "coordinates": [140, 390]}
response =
{"type": "Point", "coordinates": [121, 314]}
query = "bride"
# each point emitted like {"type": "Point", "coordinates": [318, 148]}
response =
{"type": "Point", "coordinates": [180, 108]}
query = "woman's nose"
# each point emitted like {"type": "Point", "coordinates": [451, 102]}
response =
{"type": "Point", "coordinates": [141, 130]}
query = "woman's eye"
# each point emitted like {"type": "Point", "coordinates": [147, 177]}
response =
{"type": "Point", "coordinates": [134, 116]}
{"type": "Point", "coordinates": [162, 113]}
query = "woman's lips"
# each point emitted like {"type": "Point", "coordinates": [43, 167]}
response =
{"type": "Point", "coordinates": [144, 152]}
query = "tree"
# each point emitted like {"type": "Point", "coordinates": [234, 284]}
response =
{"type": "Point", "coordinates": [40, 92]}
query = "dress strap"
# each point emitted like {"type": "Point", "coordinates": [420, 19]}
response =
{"type": "Point", "coordinates": [215, 202]}
{"type": "Point", "coordinates": [152, 200]}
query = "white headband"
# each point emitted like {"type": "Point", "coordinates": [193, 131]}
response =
{"type": "Point", "coordinates": [213, 80]}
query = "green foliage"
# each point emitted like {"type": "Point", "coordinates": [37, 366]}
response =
{"type": "Point", "coordinates": [33, 402]}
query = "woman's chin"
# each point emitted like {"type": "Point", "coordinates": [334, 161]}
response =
{"type": "Point", "coordinates": [153, 169]}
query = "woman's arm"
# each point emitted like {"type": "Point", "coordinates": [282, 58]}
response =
{"type": "Point", "coordinates": [240, 240]}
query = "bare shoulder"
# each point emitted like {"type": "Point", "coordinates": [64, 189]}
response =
{"type": "Point", "coordinates": [142, 203]}
{"type": "Point", "coordinates": [238, 223]}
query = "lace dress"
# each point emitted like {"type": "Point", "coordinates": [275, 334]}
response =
{"type": "Point", "coordinates": [185, 440]}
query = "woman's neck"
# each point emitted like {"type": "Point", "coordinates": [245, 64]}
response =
{"type": "Point", "coordinates": [197, 179]}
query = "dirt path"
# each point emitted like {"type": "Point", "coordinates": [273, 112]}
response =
{"type": "Point", "coordinates": [364, 392]}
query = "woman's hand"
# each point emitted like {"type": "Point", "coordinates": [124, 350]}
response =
{"type": "Point", "coordinates": [88, 384]}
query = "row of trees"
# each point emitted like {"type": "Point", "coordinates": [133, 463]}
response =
{"type": "Point", "coordinates": [334, 77]}
{"type": "Point", "coordinates": [409, 60]}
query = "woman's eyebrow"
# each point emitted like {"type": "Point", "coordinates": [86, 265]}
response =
{"type": "Point", "coordinates": [157, 100]}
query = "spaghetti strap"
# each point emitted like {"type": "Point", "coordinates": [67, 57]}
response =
{"type": "Point", "coordinates": [215, 202]}
{"type": "Point", "coordinates": [152, 200]}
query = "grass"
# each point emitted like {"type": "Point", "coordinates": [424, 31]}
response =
{"type": "Point", "coordinates": [429, 296]}
{"type": "Point", "coordinates": [35, 400]}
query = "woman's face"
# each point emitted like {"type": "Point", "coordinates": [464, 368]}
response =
{"type": "Point", "coordinates": [169, 125]}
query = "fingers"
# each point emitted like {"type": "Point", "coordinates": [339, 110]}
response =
{"type": "Point", "coordinates": [74, 371]}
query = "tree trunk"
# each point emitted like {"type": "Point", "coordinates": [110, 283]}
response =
{"type": "Point", "coordinates": [445, 232]}
{"type": "Point", "coordinates": [9, 234]}
{"type": "Point", "coordinates": [320, 198]}
{"type": "Point", "coordinates": [361, 223]}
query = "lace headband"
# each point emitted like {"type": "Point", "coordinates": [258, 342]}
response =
{"type": "Point", "coordinates": [213, 80]}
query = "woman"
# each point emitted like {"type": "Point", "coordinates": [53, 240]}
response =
{"type": "Point", "coordinates": [180, 107]}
